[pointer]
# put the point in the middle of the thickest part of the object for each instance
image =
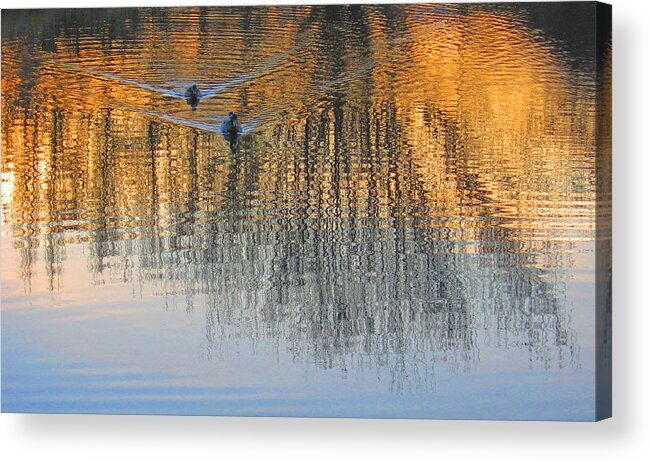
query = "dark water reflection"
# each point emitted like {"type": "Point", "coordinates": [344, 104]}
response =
{"type": "Point", "coordinates": [412, 202]}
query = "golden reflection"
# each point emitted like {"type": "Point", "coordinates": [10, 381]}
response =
{"type": "Point", "coordinates": [384, 143]}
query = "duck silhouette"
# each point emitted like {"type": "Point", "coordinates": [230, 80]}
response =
{"type": "Point", "coordinates": [192, 96]}
{"type": "Point", "coordinates": [231, 125]}
{"type": "Point", "coordinates": [231, 129]}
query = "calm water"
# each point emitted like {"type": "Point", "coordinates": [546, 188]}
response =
{"type": "Point", "coordinates": [405, 229]}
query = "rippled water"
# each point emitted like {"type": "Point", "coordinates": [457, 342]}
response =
{"type": "Point", "coordinates": [405, 228]}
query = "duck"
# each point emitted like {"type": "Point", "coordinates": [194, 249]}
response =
{"type": "Point", "coordinates": [192, 96]}
{"type": "Point", "coordinates": [231, 126]}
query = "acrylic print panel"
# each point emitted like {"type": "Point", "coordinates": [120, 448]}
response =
{"type": "Point", "coordinates": [396, 211]}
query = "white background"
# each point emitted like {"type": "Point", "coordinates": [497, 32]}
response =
{"type": "Point", "coordinates": [626, 436]}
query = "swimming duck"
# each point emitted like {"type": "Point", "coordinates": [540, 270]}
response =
{"type": "Point", "coordinates": [231, 126]}
{"type": "Point", "coordinates": [192, 96]}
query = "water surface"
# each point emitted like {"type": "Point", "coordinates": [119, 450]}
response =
{"type": "Point", "coordinates": [405, 229]}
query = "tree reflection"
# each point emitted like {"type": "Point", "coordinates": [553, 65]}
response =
{"type": "Point", "coordinates": [382, 212]}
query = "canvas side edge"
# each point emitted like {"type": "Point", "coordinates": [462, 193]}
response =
{"type": "Point", "coordinates": [603, 217]}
